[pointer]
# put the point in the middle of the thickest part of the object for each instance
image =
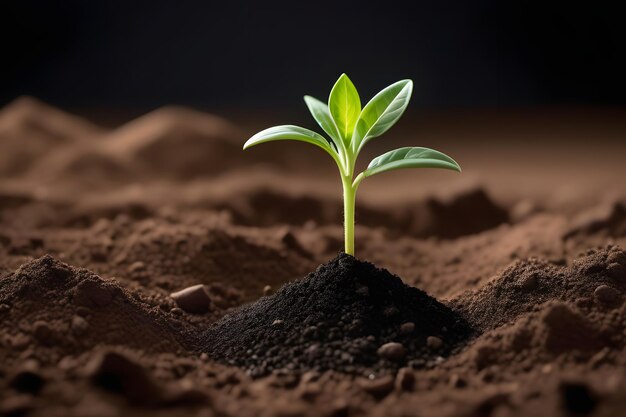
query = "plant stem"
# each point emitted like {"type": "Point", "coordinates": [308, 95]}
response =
{"type": "Point", "coordinates": [349, 196]}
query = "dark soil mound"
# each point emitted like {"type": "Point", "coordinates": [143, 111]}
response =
{"type": "Point", "coordinates": [348, 315]}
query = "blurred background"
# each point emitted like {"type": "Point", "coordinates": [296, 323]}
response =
{"type": "Point", "coordinates": [241, 54]}
{"type": "Point", "coordinates": [529, 96]}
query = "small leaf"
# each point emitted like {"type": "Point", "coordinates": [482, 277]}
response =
{"type": "Point", "coordinates": [382, 112]}
{"type": "Point", "coordinates": [411, 157]}
{"type": "Point", "coordinates": [290, 132]}
{"type": "Point", "coordinates": [345, 106]}
{"type": "Point", "coordinates": [322, 116]}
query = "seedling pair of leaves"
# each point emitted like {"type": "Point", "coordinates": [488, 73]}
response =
{"type": "Point", "coordinates": [349, 128]}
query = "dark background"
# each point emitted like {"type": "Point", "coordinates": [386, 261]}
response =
{"type": "Point", "coordinates": [249, 54]}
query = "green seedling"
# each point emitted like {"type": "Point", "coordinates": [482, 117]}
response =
{"type": "Point", "coordinates": [349, 128]}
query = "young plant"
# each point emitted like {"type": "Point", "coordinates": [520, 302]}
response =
{"type": "Point", "coordinates": [349, 128]}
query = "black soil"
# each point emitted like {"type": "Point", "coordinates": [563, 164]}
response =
{"type": "Point", "coordinates": [337, 318]}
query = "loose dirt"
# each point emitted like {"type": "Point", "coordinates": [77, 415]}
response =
{"type": "Point", "coordinates": [154, 269]}
{"type": "Point", "coordinates": [347, 316]}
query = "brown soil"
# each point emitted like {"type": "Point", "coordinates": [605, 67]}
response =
{"type": "Point", "coordinates": [523, 251]}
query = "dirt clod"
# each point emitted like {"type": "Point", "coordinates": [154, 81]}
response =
{"type": "Point", "coordinates": [193, 299]}
{"type": "Point", "coordinates": [392, 351]}
{"type": "Point", "coordinates": [407, 328]}
{"type": "Point", "coordinates": [79, 325]}
{"type": "Point", "coordinates": [434, 342]}
{"type": "Point", "coordinates": [607, 295]}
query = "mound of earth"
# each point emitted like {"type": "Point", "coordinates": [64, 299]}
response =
{"type": "Point", "coordinates": [71, 309]}
{"type": "Point", "coordinates": [347, 316]}
{"type": "Point", "coordinates": [597, 278]}
{"type": "Point", "coordinates": [29, 129]}
{"type": "Point", "coordinates": [203, 144]}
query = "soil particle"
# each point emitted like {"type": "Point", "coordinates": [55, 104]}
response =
{"type": "Point", "coordinates": [392, 351]}
{"type": "Point", "coordinates": [193, 299]}
{"type": "Point", "coordinates": [407, 328]}
{"type": "Point", "coordinates": [326, 324]}
{"type": "Point", "coordinates": [79, 325]}
{"type": "Point", "coordinates": [44, 333]}
{"type": "Point", "coordinates": [616, 271]}
{"type": "Point", "coordinates": [616, 256]}
{"type": "Point", "coordinates": [434, 342]}
{"type": "Point", "coordinates": [606, 295]}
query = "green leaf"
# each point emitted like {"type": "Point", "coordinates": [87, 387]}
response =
{"type": "Point", "coordinates": [322, 116]}
{"type": "Point", "coordinates": [410, 157]}
{"type": "Point", "coordinates": [291, 132]}
{"type": "Point", "coordinates": [382, 112]}
{"type": "Point", "coordinates": [345, 106]}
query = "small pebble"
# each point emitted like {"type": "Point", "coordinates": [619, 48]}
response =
{"type": "Point", "coordinates": [79, 324]}
{"type": "Point", "coordinates": [434, 342]}
{"type": "Point", "coordinates": [392, 351]}
{"type": "Point", "coordinates": [457, 381]}
{"type": "Point", "coordinates": [616, 257]}
{"type": "Point", "coordinates": [43, 333]}
{"type": "Point", "coordinates": [193, 299]}
{"type": "Point", "coordinates": [407, 328]}
{"type": "Point", "coordinates": [267, 290]}
{"type": "Point", "coordinates": [277, 322]}
{"type": "Point", "coordinates": [606, 295]}
{"type": "Point", "coordinates": [529, 282]}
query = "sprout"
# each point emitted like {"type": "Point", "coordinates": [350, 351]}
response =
{"type": "Point", "coordinates": [349, 128]}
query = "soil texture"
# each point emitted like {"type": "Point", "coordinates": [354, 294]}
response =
{"type": "Point", "coordinates": [154, 268]}
{"type": "Point", "coordinates": [347, 316]}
